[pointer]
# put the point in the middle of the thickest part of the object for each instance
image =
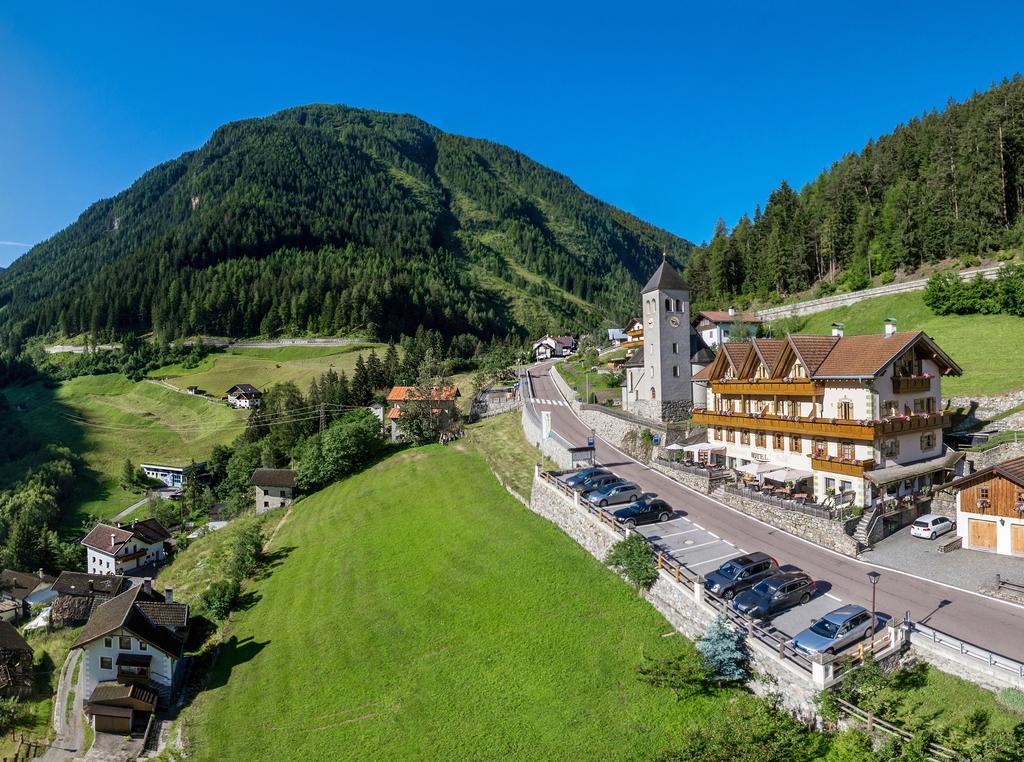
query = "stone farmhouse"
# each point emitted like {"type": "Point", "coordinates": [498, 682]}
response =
{"type": "Point", "coordinates": [275, 488]}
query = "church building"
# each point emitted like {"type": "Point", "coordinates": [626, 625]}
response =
{"type": "Point", "coordinates": [659, 374]}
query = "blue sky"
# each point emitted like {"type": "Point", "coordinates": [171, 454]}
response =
{"type": "Point", "coordinates": [680, 113]}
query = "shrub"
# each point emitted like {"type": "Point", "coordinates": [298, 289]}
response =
{"type": "Point", "coordinates": [686, 674]}
{"type": "Point", "coordinates": [1012, 699]}
{"type": "Point", "coordinates": [632, 557]}
{"type": "Point", "coordinates": [219, 598]}
{"type": "Point", "coordinates": [246, 550]}
{"type": "Point", "coordinates": [887, 277]}
{"type": "Point", "coordinates": [725, 650]}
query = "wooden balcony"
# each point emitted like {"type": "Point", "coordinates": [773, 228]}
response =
{"type": "Point", "coordinates": [834, 428]}
{"type": "Point", "coordinates": [797, 387]}
{"type": "Point", "coordinates": [910, 384]}
{"type": "Point", "coordinates": [862, 431]}
{"type": "Point", "coordinates": [919, 422]}
{"type": "Point", "coordinates": [835, 465]}
{"type": "Point", "coordinates": [131, 556]}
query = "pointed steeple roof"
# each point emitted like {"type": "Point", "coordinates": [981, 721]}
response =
{"type": "Point", "coordinates": [665, 278]}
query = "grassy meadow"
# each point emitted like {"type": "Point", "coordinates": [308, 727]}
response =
{"type": "Point", "coordinates": [455, 626]}
{"type": "Point", "coordinates": [105, 419]}
{"type": "Point", "coordinates": [985, 346]}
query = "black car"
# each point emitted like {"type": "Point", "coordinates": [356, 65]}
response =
{"type": "Point", "coordinates": [777, 593]}
{"type": "Point", "coordinates": [643, 512]}
{"type": "Point", "coordinates": [585, 474]}
{"type": "Point", "coordinates": [740, 573]}
{"type": "Point", "coordinates": [587, 486]}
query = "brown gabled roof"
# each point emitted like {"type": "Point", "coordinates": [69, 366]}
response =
{"type": "Point", "coordinates": [122, 611]}
{"type": "Point", "coordinates": [77, 583]}
{"type": "Point", "coordinates": [20, 585]}
{"type": "Point", "coordinates": [131, 696]}
{"type": "Point", "coordinates": [723, 316]}
{"type": "Point", "coordinates": [861, 356]}
{"type": "Point", "coordinates": [173, 615]}
{"type": "Point", "coordinates": [736, 354]}
{"type": "Point", "coordinates": [109, 539]}
{"type": "Point", "coordinates": [1011, 470]}
{"type": "Point", "coordinates": [245, 389]}
{"type": "Point", "coordinates": [635, 360]}
{"type": "Point", "coordinates": [272, 477]}
{"type": "Point", "coordinates": [812, 349]}
{"type": "Point", "coordinates": [404, 393]}
{"type": "Point", "coordinates": [768, 350]}
{"type": "Point", "coordinates": [703, 375]}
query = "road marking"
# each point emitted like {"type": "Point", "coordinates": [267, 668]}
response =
{"type": "Point", "coordinates": [829, 595]}
{"type": "Point", "coordinates": [676, 534]}
{"type": "Point", "coordinates": [711, 561]}
{"type": "Point", "coordinates": [694, 547]}
{"type": "Point", "coordinates": [697, 525]}
{"type": "Point", "coordinates": [714, 535]}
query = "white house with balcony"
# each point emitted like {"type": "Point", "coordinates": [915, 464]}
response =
{"type": "Point", "coordinates": [123, 548]}
{"type": "Point", "coordinates": [853, 419]}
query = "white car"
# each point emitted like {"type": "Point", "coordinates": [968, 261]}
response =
{"type": "Point", "coordinates": [930, 526]}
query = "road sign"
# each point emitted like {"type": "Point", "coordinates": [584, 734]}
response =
{"type": "Point", "coordinates": [545, 423]}
{"type": "Point", "coordinates": [590, 441]}
{"type": "Point", "coordinates": [657, 439]}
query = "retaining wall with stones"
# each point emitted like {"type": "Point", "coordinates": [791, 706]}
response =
{"type": "Point", "coordinates": [788, 684]}
{"type": "Point", "coordinates": [973, 670]}
{"type": "Point", "coordinates": [824, 532]}
{"type": "Point", "coordinates": [994, 455]}
{"type": "Point", "coordinates": [700, 482]}
{"type": "Point", "coordinates": [843, 300]}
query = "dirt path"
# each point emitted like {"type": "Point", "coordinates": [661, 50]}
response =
{"type": "Point", "coordinates": [70, 733]}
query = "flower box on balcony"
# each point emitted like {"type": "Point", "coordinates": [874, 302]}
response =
{"type": "Point", "coordinates": [983, 504]}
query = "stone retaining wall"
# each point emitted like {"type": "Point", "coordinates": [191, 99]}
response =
{"type": "Point", "coordinates": [843, 300]}
{"type": "Point", "coordinates": [996, 454]}
{"type": "Point", "coordinates": [828, 534]}
{"type": "Point", "coordinates": [973, 670]}
{"type": "Point", "coordinates": [788, 684]}
{"type": "Point", "coordinates": [699, 482]}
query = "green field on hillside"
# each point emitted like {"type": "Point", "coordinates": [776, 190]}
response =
{"type": "Point", "coordinates": [456, 625]}
{"type": "Point", "coordinates": [985, 346]}
{"type": "Point", "coordinates": [105, 419]}
{"type": "Point", "coordinates": [262, 367]}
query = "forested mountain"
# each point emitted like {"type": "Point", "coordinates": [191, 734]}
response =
{"type": "Point", "coordinates": [327, 219]}
{"type": "Point", "coordinates": [948, 184]}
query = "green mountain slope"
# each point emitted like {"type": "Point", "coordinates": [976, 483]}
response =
{"type": "Point", "coordinates": [327, 219]}
{"type": "Point", "coordinates": [943, 185]}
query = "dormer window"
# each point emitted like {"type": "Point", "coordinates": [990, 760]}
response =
{"type": "Point", "coordinates": [761, 372]}
{"type": "Point", "coordinates": [798, 370]}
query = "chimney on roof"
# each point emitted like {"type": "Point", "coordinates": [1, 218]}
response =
{"type": "Point", "coordinates": [837, 329]}
{"type": "Point", "coordinates": [147, 586]}
{"type": "Point", "coordinates": [112, 539]}
{"type": "Point", "coordinates": [40, 573]}
{"type": "Point", "coordinates": [732, 312]}
{"type": "Point", "coordinates": [890, 326]}
{"type": "Point", "coordinates": [90, 586]}
{"type": "Point", "coordinates": [168, 595]}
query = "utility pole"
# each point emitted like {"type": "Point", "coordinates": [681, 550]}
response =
{"type": "Point", "coordinates": [323, 417]}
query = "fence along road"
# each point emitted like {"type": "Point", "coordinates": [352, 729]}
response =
{"type": "Point", "coordinates": [972, 617]}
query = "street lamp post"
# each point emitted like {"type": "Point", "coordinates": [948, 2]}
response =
{"type": "Point", "coordinates": [873, 578]}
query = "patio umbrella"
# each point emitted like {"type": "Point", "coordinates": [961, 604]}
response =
{"type": "Point", "coordinates": [787, 475]}
{"type": "Point", "coordinates": [699, 447]}
{"type": "Point", "coordinates": [757, 467]}
{"type": "Point", "coordinates": [675, 446]}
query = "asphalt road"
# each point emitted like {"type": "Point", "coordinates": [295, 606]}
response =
{"type": "Point", "coordinates": [983, 621]}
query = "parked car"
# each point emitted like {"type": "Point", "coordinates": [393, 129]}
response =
{"type": "Point", "coordinates": [777, 593]}
{"type": "Point", "coordinates": [643, 512]}
{"type": "Point", "coordinates": [930, 526]}
{"type": "Point", "coordinates": [738, 574]}
{"type": "Point", "coordinates": [585, 474]}
{"type": "Point", "coordinates": [587, 486]}
{"type": "Point", "coordinates": [615, 493]}
{"type": "Point", "coordinates": [836, 630]}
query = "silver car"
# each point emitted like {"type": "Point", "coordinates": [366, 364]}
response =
{"type": "Point", "coordinates": [836, 630]}
{"type": "Point", "coordinates": [623, 492]}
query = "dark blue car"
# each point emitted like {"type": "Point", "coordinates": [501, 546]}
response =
{"type": "Point", "coordinates": [585, 474]}
{"type": "Point", "coordinates": [643, 512]}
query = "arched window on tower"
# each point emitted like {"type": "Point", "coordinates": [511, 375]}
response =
{"type": "Point", "coordinates": [679, 305]}
{"type": "Point", "coordinates": [654, 395]}
{"type": "Point", "coordinates": [668, 305]}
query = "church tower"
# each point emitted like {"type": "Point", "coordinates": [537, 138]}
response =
{"type": "Point", "coordinates": [665, 385]}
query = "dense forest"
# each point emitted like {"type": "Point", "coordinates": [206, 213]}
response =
{"type": "Point", "coordinates": [328, 220]}
{"type": "Point", "coordinates": [948, 184]}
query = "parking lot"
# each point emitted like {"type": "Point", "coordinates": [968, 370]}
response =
{"type": "Point", "coordinates": [702, 552]}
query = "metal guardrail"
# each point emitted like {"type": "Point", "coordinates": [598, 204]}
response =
{"type": "Point", "coordinates": [874, 724]}
{"type": "Point", "coordinates": [962, 647]}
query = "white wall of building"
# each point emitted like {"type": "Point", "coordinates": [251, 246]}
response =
{"type": "Point", "coordinates": [161, 670]}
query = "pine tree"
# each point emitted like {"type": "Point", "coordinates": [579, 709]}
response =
{"type": "Point", "coordinates": [361, 391]}
{"type": "Point", "coordinates": [725, 650]}
{"type": "Point", "coordinates": [391, 365]}
{"type": "Point", "coordinates": [375, 371]}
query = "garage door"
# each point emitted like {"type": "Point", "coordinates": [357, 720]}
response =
{"type": "Point", "coordinates": [1017, 538]}
{"type": "Point", "coordinates": [982, 534]}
